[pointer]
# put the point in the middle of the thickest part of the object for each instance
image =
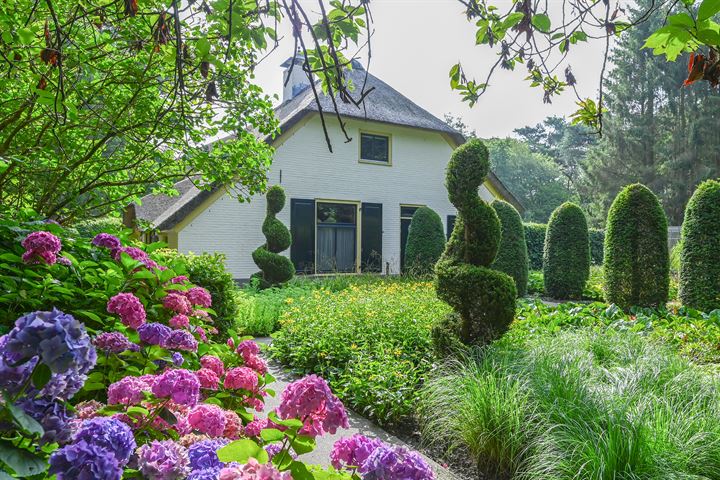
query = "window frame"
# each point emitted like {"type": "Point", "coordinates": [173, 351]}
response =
{"type": "Point", "coordinates": [358, 235]}
{"type": "Point", "coordinates": [377, 134]}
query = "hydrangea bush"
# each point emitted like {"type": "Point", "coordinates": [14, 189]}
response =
{"type": "Point", "coordinates": [139, 390]}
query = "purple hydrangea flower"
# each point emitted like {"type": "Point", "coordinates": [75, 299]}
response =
{"type": "Point", "coordinates": [52, 415]}
{"type": "Point", "coordinates": [114, 342]}
{"type": "Point", "coordinates": [396, 462]}
{"type": "Point", "coordinates": [177, 359]}
{"type": "Point", "coordinates": [353, 451]}
{"type": "Point", "coordinates": [134, 253]}
{"type": "Point", "coordinates": [205, 474]}
{"type": "Point", "coordinates": [154, 333]}
{"type": "Point", "coordinates": [181, 340]}
{"type": "Point", "coordinates": [203, 454]}
{"type": "Point", "coordinates": [63, 385]}
{"type": "Point", "coordinates": [163, 460]}
{"type": "Point", "coordinates": [181, 385]}
{"type": "Point", "coordinates": [110, 434]}
{"type": "Point", "coordinates": [107, 241]}
{"type": "Point", "coordinates": [41, 247]}
{"type": "Point", "coordinates": [13, 376]}
{"type": "Point", "coordinates": [84, 461]}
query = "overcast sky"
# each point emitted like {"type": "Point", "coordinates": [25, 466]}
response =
{"type": "Point", "coordinates": [417, 41]}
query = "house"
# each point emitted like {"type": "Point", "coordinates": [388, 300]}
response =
{"type": "Point", "coordinates": [349, 210]}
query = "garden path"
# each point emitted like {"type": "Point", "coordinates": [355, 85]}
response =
{"type": "Point", "coordinates": [358, 424]}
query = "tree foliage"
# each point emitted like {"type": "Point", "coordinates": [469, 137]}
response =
{"type": "Point", "coordinates": [425, 242]}
{"type": "Point", "coordinates": [566, 261]}
{"type": "Point", "coordinates": [512, 256]}
{"type": "Point", "coordinates": [275, 269]}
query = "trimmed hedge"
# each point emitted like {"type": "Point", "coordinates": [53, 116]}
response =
{"type": "Point", "coordinates": [700, 257]}
{"type": "Point", "coordinates": [637, 263]}
{"type": "Point", "coordinates": [275, 269]}
{"type": "Point", "coordinates": [597, 245]}
{"type": "Point", "coordinates": [425, 242]}
{"type": "Point", "coordinates": [566, 260]}
{"type": "Point", "coordinates": [483, 298]}
{"type": "Point", "coordinates": [535, 240]}
{"type": "Point", "coordinates": [512, 256]}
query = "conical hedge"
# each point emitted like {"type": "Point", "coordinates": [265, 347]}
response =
{"type": "Point", "coordinates": [566, 259]}
{"type": "Point", "coordinates": [512, 256]}
{"type": "Point", "coordinates": [275, 269]}
{"type": "Point", "coordinates": [425, 242]}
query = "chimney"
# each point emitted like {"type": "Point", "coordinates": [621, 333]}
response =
{"type": "Point", "coordinates": [298, 78]}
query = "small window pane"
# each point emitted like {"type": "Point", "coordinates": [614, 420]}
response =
{"type": "Point", "coordinates": [407, 212]}
{"type": "Point", "coordinates": [374, 147]}
{"type": "Point", "coordinates": [336, 213]}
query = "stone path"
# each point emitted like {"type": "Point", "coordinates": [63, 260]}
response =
{"type": "Point", "coordinates": [358, 424]}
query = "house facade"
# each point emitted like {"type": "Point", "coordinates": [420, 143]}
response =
{"type": "Point", "coordinates": [348, 210]}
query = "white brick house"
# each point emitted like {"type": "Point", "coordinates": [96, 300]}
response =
{"type": "Point", "coordinates": [348, 210]}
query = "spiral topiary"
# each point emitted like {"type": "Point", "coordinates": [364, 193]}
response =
{"type": "Point", "coordinates": [483, 298]}
{"type": "Point", "coordinates": [637, 263]}
{"type": "Point", "coordinates": [425, 242]}
{"type": "Point", "coordinates": [512, 256]}
{"type": "Point", "coordinates": [566, 260]}
{"type": "Point", "coordinates": [699, 265]}
{"type": "Point", "coordinates": [275, 269]}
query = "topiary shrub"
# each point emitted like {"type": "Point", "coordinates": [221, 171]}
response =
{"type": "Point", "coordinates": [425, 242]}
{"type": "Point", "coordinates": [512, 256]}
{"type": "Point", "coordinates": [637, 264]}
{"type": "Point", "coordinates": [566, 259]}
{"type": "Point", "coordinates": [275, 269]}
{"type": "Point", "coordinates": [484, 299]}
{"type": "Point", "coordinates": [597, 245]}
{"type": "Point", "coordinates": [535, 240]}
{"type": "Point", "coordinates": [700, 236]}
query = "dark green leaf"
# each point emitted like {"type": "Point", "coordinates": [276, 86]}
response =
{"type": "Point", "coordinates": [21, 461]}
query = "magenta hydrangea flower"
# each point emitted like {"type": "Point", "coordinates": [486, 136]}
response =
{"type": "Point", "coordinates": [208, 378]}
{"type": "Point", "coordinates": [181, 340]}
{"type": "Point", "coordinates": [351, 452]}
{"type": "Point", "coordinates": [248, 347]}
{"type": "Point", "coordinates": [207, 418]}
{"type": "Point", "coordinates": [177, 303]}
{"type": "Point", "coordinates": [253, 470]}
{"type": "Point", "coordinates": [311, 400]}
{"type": "Point", "coordinates": [136, 254]}
{"type": "Point", "coordinates": [163, 460]}
{"type": "Point", "coordinates": [213, 363]}
{"type": "Point", "coordinates": [41, 247]}
{"type": "Point", "coordinates": [241, 378]}
{"type": "Point", "coordinates": [256, 363]}
{"type": "Point", "coordinates": [387, 462]}
{"type": "Point", "coordinates": [128, 391]}
{"type": "Point", "coordinates": [199, 296]}
{"type": "Point", "coordinates": [181, 385]}
{"type": "Point", "coordinates": [114, 342]}
{"type": "Point", "coordinates": [180, 321]}
{"type": "Point", "coordinates": [179, 279]}
{"type": "Point", "coordinates": [106, 240]}
{"type": "Point", "coordinates": [129, 308]}
{"type": "Point", "coordinates": [154, 333]}
{"type": "Point", "coordinates": [233, 425]}
{"type": "Point", "coordinates": [201, 333]}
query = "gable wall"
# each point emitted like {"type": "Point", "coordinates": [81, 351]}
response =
{"type": "Point", "coordinates": [309, 171]}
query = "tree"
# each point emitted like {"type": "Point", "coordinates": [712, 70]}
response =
{"type": "Point", "coordinates": [105, 101]}
{"type": "Point", "coordinates": [512, 256]}
{"type": "Point", "coordinates": [637, 262]}
{"type": "Point", "coordinates": [699, 266]}
{"type": "Point", "coordinates": [425, 242]}
{"type": "Point", "coordinates": [275, 269]}
{"type": "Point", "coordinates": [566, 261]}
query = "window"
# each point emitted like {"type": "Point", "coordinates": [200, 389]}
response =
{"type": "Point", "coordinates": [336, 249]}
{"type": "Point", "coordinates": [374, 148]}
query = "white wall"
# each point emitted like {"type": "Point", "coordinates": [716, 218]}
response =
{"type": "Point", "coordinates": [310, 171]}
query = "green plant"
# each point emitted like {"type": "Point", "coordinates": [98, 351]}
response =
{"type": "Point", "coordinates": [699, 265]}
{"type": "Point", "coordinates": [566, 259]}
{"type": "Point", "coordinates": [637, 265]}
{"type": "Point", "coordinates": [425, 242]}
{"type": "Point", "coordinates": [483, 298]}
{"type": "Point", "coordinates": [535, 239]}
{"type": "Point", "coordinates": [88, 228]}
{"type": "Point", "coordinates": [597, 245]}
{"type": "Point", "coordinates": [275, 269]}
{"type": "Point", "coordinates": [512, 256]}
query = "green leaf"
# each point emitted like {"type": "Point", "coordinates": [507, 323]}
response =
{"type": "Point", "coordinates": [25, 422]}
{"type": "Point", "coordinates": [681, 19]}
{"type": "Point", "coordinates": [167, 415]}
{"type": "Point", "coordinates": [300, 472]}
{"type": "Point", "coordinates": [513, 19]}
{"type": "Point", "coordinates": [241, 451]}
{"type": "Point", "coordinates": [290, 422]}
{"type": "Point", "coordinates": [541, 22]}
{"type": "Point", "coordinates": [271, 435]}
{"type": "Point", "coordinates": [455, 76]}
{"type": "Point", "coordinates": [21, 461]}
{"type": "Point", "coordinates": [26, 36]}
{"type": "Point", "coordinates": [136, 411]}
{"type": "Point", "coordinates": [41, 376]}
{"type": "Point", "coordinates": [708, 8]}
{"type": "Point", "coordinates": [303, 444]}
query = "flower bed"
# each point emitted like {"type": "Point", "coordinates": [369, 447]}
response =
{"type": "Point", "coordinates": [141, 391]}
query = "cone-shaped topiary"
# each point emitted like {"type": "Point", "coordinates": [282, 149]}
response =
{"type": "Point", "coordinates": [275, 269]}
{"type": "Point", "coordinates": [535, 240]}
{"type": "Point", "coordinates": [566, 259]}
{"type": "Point", "coordinates": [425, 242]}
{"type": "Point", "coordinates": [699, 264]}
{"type": "Point", "coordinates": [637, 263]}
{"type": "Point", "coordinates": [512, 256]}
{"type": "Point", "coordinates": [483, 299]}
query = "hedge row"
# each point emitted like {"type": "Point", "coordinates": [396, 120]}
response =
{"type": "Point", "coordinates": [535, 239]}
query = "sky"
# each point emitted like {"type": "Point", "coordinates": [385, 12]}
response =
{"type": "Point", "coordinates": [415, 42]}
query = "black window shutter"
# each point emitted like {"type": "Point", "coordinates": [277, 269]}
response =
{"type": "Point", "coordinates": [450, 225]}
{"type": "Point", "coordinates": [371, 241]}
{"type": "Point", "coordinates": [302, 227]}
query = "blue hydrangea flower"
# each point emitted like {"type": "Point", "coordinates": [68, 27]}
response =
{"type": "Point", "coordinates": [204, 474]}
{"type": "Point", "coordinates": [396, 462]}
{"type": "Point", "coordinates": [110, 434]}
{"type": "Point", "coordinates": [52, 415]}
{"type": "Point", "coordinates": [177, 359]}
{"type": "Point", "coordinates": [203, 454]}
{"type": "Point", "coordinates": [84, 461]}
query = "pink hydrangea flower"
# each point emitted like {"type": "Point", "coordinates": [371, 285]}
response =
{"type": "Point", "coordinates": [213, 363]}
{"type": "Point", "coordinates": [256, 363]}
{"type": "Point", "coordinates": [107, 241]}
{"type": "Point", "coordinates": [230, 342]}
{"type": "Point", "coordinates": [233, 425]}
{"type": "Point", "coordinates": [180, 321]}
{"type": "Point", "coordinates": [134, 253]}
{"type": "Point", "coordinates": [213, 330]}
{"type": "Point", "coordinates": [254, 428]}
{"type": "Point", "coordinates": [241, 378]}
{"type": "Point", "coordinates": [353, 451]}
{"type": "Point", "coordinates": [256, 403]}
{"type": "Point", "coordinates": [129, 308]}
{"type": "Point", "coordinates": [208, 378]}
{"type": "Point", "coordinates": [207, 418]}
{"type": "Point", "coordinates": [311, 400]}
{"type": "Point", "coordinates": [202, 314]}
{"type": "Point", "coordinates": [128, 391]}
{"type": "Point", "coordinates": [253, 470]}
{"type": "Point", "coordinates": [201, 333]}
{"type": "Point", "coordinates": [199, 296]}
{"type": "Point", "coordinates": [179, 279]}
{"type": "Point", "coordinates": [41, 247]}
{"type": "Point", "coordinates": [177, 303]}
{"type": "Point", "coordinates": [181, 385]}
{"type": "Point", "coordinates": [248, 347]}
{"type": "Point", "coordinates": [182, 426]}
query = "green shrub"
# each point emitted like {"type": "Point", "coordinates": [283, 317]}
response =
{"type": "Point", "coordinates": [275, 269]}
{"type": "Point", "coordinates": [91, 227]}
{"type": "Point", "coordinates": [425, 242]}
{"type": "Point", "coordinates": [597, 245]}
{"type": "Point", "coordinates": [566, 260]}
{"type": "Point", "coordinates": [483, 298]}
{"type": "Point", "coordinates": [637, 265]}
{"type": "Point", "coordinates": [699, 263]}
{"type": "Point", "coordinates": [535, 240]}
{"type": "Point", "coordinates": [512, 256]}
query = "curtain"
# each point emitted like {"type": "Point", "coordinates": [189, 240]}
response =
{"type": "Point", "coordinates": [335, 248]}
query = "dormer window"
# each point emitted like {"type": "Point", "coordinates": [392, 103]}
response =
{"type": "Point", "coordinates": [375, 148]}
